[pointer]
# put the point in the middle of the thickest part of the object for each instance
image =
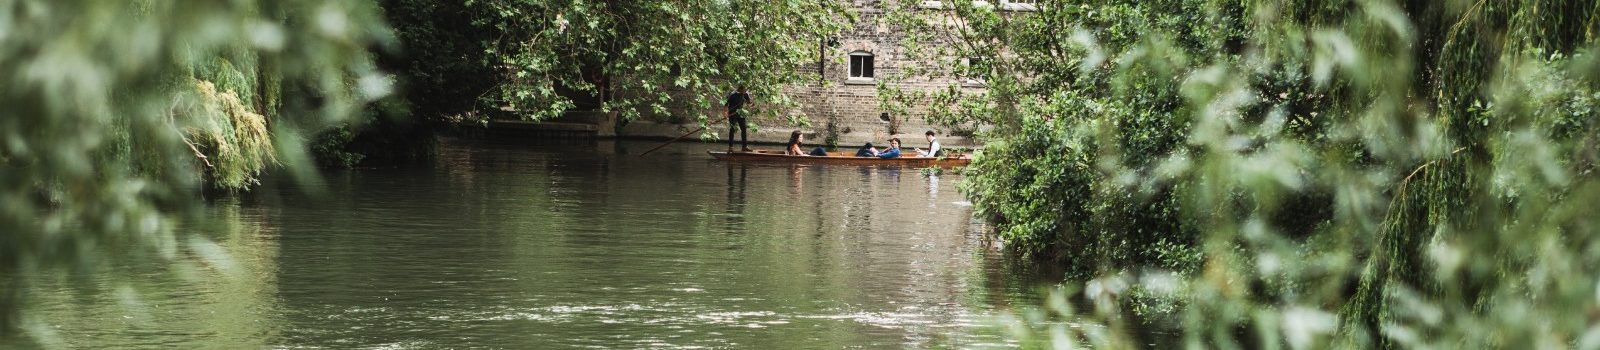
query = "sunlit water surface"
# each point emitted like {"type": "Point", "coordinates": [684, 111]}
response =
{"type": "Point", "coordinates": [517, 245]}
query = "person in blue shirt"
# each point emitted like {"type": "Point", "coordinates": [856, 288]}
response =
{"type": "Point", "coordinates": [893, 151]}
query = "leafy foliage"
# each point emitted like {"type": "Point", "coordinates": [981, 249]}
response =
{"type": "Point", "coordinates": [234, 135]}
{"type": "Point", "coordinates": [1349, 173]}
{"type": "Point", "coordinates": [1060, 109]}
{"type": "Point", "coordinates": [648, 56]}
{"type": "Point", "coordinates": [114, 109]}
{"type": "Point", "coordinates": [443, 57]}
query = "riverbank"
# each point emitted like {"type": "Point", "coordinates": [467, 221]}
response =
{"type": "Point", "coordinates": [758, 135]}
{"type": "Point", "coordinates": [771, 135]}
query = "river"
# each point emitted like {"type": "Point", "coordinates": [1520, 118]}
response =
{"type": "Point", "coordinates": [566, 245]}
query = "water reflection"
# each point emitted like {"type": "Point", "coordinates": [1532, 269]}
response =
{"type": "Point", "coordinates": [796, 180]}
{"type": "Point", "coordinates": [736, 188]}
{"type": "Point", "coordinates": [512, 245]}
{"type": "Point", "coordinates": [144, 304]}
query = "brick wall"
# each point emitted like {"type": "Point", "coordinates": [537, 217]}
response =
{"type": "Point", "coordinates": [854, 107]}
{"type": "Point", "coordinates": [851, 108]}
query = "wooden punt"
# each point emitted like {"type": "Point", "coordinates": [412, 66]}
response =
{"type": "Point", "coordinates": [842, 158]}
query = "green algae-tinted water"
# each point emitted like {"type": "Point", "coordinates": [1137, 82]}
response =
{"type": "Point", "coordinates": [585, 245]}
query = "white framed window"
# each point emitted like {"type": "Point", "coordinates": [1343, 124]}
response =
{"type": "Point", "coordinates": [861, 66]}
{"type": "Point", "coordinates": [1019, 5]}
{"type": "Point", "coordinates": [975, 70]}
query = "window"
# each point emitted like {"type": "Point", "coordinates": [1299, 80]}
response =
{"type": "Point", "coordinates": [1019, 5]}
{"type": "Point", "coordinates": [860, 66]}
{"type": "Point", "coordinates": [977, 67]}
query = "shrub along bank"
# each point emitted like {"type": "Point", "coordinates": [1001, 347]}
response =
{"type": "Point", "coordinates": [1350, 173]}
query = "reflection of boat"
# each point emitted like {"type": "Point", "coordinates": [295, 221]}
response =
{"type": "Point", "coordinates": [842, 158]}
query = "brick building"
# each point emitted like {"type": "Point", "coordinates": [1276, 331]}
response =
{"type": "Point", "coordinates": [847, 108]}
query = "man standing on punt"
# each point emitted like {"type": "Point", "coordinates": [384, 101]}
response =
{"type": "Point", "coordinates": [736, 119]}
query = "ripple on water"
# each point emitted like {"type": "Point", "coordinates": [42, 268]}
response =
{"type": "Point", "coordinates": [890, 320]}
{"type": "Point", "coordinates": [406, 345]}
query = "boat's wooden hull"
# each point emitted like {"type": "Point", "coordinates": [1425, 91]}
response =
{"type": "Point", "coordinates": [841, 158]}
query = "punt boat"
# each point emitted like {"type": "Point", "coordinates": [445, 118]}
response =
{"type": "Point", "coordinates": [842, 158]}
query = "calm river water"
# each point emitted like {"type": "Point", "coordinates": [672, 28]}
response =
{"type": "Point", "coordinates": [514, 245]}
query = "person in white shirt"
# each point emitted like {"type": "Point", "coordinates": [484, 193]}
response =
{"type": "Point", "coordinates": [933, 147]}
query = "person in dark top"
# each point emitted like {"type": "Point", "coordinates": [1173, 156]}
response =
{"type": "Point", "coordinates": [867, 151]}
{"type": "Point", "coordinates": [736, 118]}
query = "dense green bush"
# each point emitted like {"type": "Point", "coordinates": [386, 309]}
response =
{"type": "Point", "coordinates": [1041, 189]}
{"type": "Point", "coordinates": [636, 57]}
{"type": "Point", "coordinates": [439, 70]}
{"type": "Point", "coordinates": [1349, 173]}
{"type": "Point", "coordinates": [1060, 111]}
{"type": "Point", "coordinates": [443, 59]}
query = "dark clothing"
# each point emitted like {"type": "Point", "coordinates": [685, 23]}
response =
{"type": "Point", "coordinates": [738, 123]}
{"type": "Point", "coordinates": [865, 150]}
{"type": "Point", "coordinates": [736, 120]}
{"type": "Point", "coordinates": [819, 151]}
{"type": "Point", "coordinates": [736, 100]}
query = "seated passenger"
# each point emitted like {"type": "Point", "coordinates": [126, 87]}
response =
{"type": "Point", "coordinates": [795, 139]}
{"type": "Point", "coordinates": [933, 147]}
{"type": "Point", "coordinates": [794, 144]}
{"type": "Point", "coordinates": [867, 151]}
{"type": "Point", "coordinates": [893, 151]}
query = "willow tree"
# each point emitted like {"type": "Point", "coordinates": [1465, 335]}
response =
{"type": "Point", "coordinates": [117, 113]}
{"type": "Point", "coordinates": [1286, 173]}
{"type": "Point", "coordinates": [651, 56]}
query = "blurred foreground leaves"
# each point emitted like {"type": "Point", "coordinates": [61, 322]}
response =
{"type": "Point", "coordinates": [117, 113]}
{"type": "Point", "coordinates": [1268, 174]}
